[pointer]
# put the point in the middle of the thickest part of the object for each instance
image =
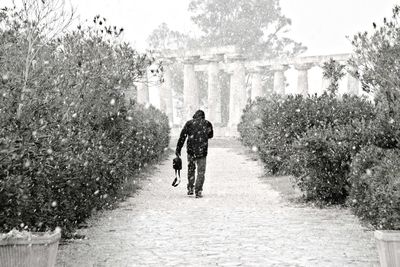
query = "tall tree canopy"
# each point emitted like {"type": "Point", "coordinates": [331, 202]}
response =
{"type": "Point", "coordinates": [256, 27]}
{"type": "Point", "coordinates": [163, 38]}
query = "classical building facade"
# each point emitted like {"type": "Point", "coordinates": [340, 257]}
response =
{"type": "Point", "coordinates": [242, 72]}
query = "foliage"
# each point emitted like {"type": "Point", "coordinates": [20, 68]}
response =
{"type": "Point", "coordinates": [76, 141]}
{"type": "Point", "coordinates": [312, 138]}
{"type": "Point", "coordinates": [321, 162]}
{"type": "Point", "coordinates": [164, 38]}
{"type": "Point", "coordinates": [374, 173]}
{"type": "Point", "coordinates": [249, 127]}
{"type": "Point", "coordinates": [375, 187]}
{"type": "Point", "coordinates": [271, 125]}
{"type": "Point", "coordinates": [333, 71]}
{"type": "Point", "coordinates": [376, 58]}
{"type": "Point", "coordinates": [35, 23]}
{"type": "Point", "coordinates": [285, 119]}
{"type": "Point", "coordinates": [57, 176]}
{"type": "Point", "coordinates": [386, 126]}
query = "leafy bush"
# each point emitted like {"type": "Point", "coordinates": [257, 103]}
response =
{"type": "Point", "coordinates": [321, 163]}
{"type": "Point", "coordinates": [58, 177]}
{"type": "Point", "coordinates": [68, 139]}
{"type": "Point", "coordinates": [386, 126]}
{"type": "Point", "coordinates": [374, 173]}
{"type": "Point", "coordinates": [250, 125]}
{"type": "Point", "coordinates": [312, 138]}
{"type": "Point", "coordinates": [375, 187]}
{"type": "Point", "coordinates": [285, 119]}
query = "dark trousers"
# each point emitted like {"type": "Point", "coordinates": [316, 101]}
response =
{"type": "Point", "coordinates": [201, 171]}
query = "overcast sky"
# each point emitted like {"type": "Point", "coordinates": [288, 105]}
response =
{"type": "Point", "coordinates": [322, 25]}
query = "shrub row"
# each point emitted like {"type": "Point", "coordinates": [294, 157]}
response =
{"type": "Point", "coordinates": [272, 125]}
{"type": "Point", "coordinates": [330, 146]}
{"type": "Point", "coordinates": [58, 175]}
{"type": "Point", "coordinates": [69, 141]}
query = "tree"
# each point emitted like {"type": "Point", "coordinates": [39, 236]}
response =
{"type": "Point", "coordinates": [255, 26]}
{"type": "Point", "coordinates": [376, 63]}
{"type": "Point", "coordinates": [41, 21]}
{"type": "Point", "coordinates": [377, 59]}
{"type": "Point", "coordinates": [163, 38]}
{"type": "Point", "coordinates": [333, 71]}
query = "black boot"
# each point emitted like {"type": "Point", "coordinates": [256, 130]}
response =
{"type": "Point", "coordinates": [190, 191]}
{"type": "Point", "coordinates": [199, 194]}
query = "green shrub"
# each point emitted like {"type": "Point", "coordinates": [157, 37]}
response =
{"type": "Point", "coordinates": [386, 126]}
{"type": "Point", "coordinates": [249, 127]}
{"type": "Point", "coordinates": [375, 187]}
{"type": "Point", "coordinates": [285, 119]}
{"type": "Point", "coordinates": [321, 162]}
{"type": "Point", "coordinates": [57, 177]}
{"type": "Point", "coordinates": [75, 142]}
{"type": "Point", "coordinates": [374, 176]}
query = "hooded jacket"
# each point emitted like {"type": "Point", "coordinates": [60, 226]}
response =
{"type": "Point", "coordinates": [197, 131]}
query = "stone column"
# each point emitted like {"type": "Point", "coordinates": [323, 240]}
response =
{"type": "Point", "coordinates": [302, 78]}
{"type": "Point", "coordinates": [279, 78]}
{"type": "Point", "coordinates": [214, 92]}
{"type": "Point", "coordinates": [237, 99]}
{"type": "Point", "coordinates": [166, 91]}
{"type": "Point", "coordinates": [256, 83]}
{"type": "Point", "coordinates": [143, 90]}
{"type": "Point", "coordinates": [190, 88]}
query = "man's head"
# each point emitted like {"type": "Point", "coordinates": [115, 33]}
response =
{"type": "Point", "coordinates": [199, 115]}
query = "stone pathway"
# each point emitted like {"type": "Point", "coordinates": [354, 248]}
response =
{"type": "Point", "coordinates": [240, 221]}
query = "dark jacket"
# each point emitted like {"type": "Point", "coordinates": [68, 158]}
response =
{"type": "Point", "coordinates": [198, 131]}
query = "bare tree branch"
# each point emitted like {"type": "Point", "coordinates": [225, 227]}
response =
{"type": "Point", "coordinates": [44, 20]}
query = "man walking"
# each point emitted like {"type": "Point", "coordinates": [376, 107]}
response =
{"type": "Point", "coordinates": [198, 131]}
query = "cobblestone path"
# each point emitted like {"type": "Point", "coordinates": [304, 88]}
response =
{"type": "Point", "coordinates": [240, 221]}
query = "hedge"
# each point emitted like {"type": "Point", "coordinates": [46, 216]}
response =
{"type": "Point", "coordinates": [57, 177]}
{"type": "Point", "coordinates": [375, 187]}
{"type": "Point", "coordinates": [339, 150]}
{"type": "Point", "coordinates": [76, 141]}
{"type": "Point", "coordinates": [274, 124]}
{"type": "Point", "coordinates": [322, 157]}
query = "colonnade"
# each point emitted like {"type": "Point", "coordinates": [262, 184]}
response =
{"type": "Point", "coordinates": [238, 68]}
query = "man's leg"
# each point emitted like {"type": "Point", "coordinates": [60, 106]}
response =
{"type": "Point", "coordinates": [191, 173]}
{"type": "Point", "coordinates": [201, 171]}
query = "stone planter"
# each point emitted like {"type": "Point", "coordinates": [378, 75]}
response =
{"type": "Point", "coordinates": [388, 243]}
{"type": "Point", "coordinates": [36, 250]}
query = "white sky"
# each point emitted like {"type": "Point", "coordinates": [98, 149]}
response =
{"type": "Point", "coordinates": [322, 25]}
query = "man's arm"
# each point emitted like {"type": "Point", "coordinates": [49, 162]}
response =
{"type": "Point", "coordinates": [181, 140]}
{"type": "Point", "coordinates": [210, 131]}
